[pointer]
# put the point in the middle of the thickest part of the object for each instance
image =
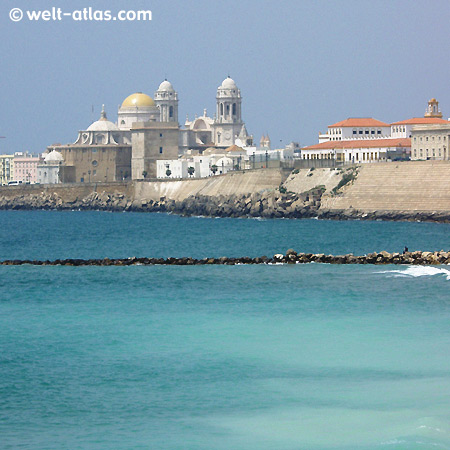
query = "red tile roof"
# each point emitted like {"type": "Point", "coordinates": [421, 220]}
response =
{"type": "Point", "coordinates": [420, 121]}
{"type": "Point", "coordinates": [361, 143]}
{"type": "Point", "coordinates": [359, 122]}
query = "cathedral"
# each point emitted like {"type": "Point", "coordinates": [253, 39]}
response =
{"type": "Point", "coordinates": [147, 130]}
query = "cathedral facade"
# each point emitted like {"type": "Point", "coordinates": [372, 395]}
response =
{"type": "Point", "coordinates": [147, 130]}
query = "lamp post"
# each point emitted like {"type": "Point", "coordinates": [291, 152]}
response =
{"type": "Point", "coordinates": [267, 158]}
{"type": "Point", "coordinates": [254, 160]}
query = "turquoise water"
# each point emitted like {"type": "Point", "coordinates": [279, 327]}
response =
{"type": "Point", "coordinates": [220, 357]}
{"type": "Point", "coordinates": [52, 234]}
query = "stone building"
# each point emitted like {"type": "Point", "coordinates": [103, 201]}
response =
{"type": "Point", "coordinates": [430, 142]}
{"type": "Point", "coordinates": [152, 141]}
{"type": "Point", "coordinates": [101, 153]}
{"type": "Point", "coordinates": [146, 131]}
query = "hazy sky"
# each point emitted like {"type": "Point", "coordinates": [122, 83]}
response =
{"type": "Point", "coordinates": [300, 65]}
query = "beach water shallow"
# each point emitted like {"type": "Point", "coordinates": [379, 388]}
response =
{"type": "Point", "coordinates": [218, 357]}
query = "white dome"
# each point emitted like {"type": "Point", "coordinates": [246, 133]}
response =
{"type": "Point", "coordinates": [53, 156]}
{"type": "Point", "coordinates": [102, 125]}
{"type": "Point", "coordinates": [166, 86]}
{"type": "Point", "coordinates": [228, 83]}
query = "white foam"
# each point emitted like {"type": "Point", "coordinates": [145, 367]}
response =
{"type": "Point", "coordinates": [419, 271]}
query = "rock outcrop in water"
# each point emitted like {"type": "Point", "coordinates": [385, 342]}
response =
{"type": "Point", "coordinates": [291, 257]}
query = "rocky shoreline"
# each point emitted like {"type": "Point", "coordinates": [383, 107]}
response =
{"type": "Point", "coordinates": [291, 257]}
{"type": "Point", "coordinates": [268, 204]}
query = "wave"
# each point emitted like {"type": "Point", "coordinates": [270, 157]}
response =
{"type": "Point", "coordinates": [419, 271]}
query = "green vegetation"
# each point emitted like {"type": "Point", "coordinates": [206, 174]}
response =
{"type": "Point", "coordinates": [191, 171]}
{"type": "Point", "coordinates": [347, 177]}
{"type": "Point", "coordinates": [168, 172]}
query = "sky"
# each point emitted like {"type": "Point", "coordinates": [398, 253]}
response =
{"type": "Point", "coordinates": [301, 65]}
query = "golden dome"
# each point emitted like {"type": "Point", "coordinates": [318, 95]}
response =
{"type": "Point", "coordinates": [138, 99]}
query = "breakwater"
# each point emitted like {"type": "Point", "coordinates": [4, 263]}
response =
{"type": "Point", "coordinates": [290, 257]}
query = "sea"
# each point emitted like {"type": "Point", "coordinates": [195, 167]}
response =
{"type": "Point", "coordinates": [283, 357]}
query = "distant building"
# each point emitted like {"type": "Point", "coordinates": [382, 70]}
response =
{"type": "Point", "coordinates": [6, 169]}
{"type": "Point", "coordinates": [102, 153]}
{"type": "Point", "coordinates": [264, 143]}
{"type": "Point", "coordinates": [359, 151]}
{"type": "Point", "coordinates": [223, 129]}
{"type": "Point", "coordinates": [430, 142]}
{"type": "Point", "coordinates": [147, 131]}
{"type": "Point", "coordinates": [356, 128]}
{"type": "Point", "coordinates": [26, 167]}
{"type": "Point", "coordinates": [48, 170]}
{"type": "Point", "coordinates": [362, 140]}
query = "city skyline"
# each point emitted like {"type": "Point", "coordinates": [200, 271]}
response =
{"type": "Point", "coordinates": [300, 66]}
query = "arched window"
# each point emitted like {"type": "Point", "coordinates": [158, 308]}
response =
{"type": "Point", "coordinates": [221, 109]}
{"type": "Point", "coordinates": [228, 110]}
{"type": "Point", "coordinates": [234, 109]}
{"type": "Point", "coordinates": [171, 111]}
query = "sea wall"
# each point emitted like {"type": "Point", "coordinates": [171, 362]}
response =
{"type": "Point", "coordinates": [413, 191]}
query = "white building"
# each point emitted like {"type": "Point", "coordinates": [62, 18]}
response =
{"type": "Point", "coordinates": [356, 128]}
{"type": "Point", "coordinates": [48, 170]}
{"type": "Point", "coordinates": [359, 151]}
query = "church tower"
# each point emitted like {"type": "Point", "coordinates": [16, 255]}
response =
{"type": "Point", "coordinates": [166, 99]}
{"type": "Point", "coordinates": [228, 123]}
{"type": "Point", "coordinates": [433, 109]}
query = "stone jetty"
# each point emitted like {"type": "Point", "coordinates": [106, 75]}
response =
{"type": "Point", "coordinates": [291, 257]}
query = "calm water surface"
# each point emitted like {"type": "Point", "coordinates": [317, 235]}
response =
{"type": "Point", "coordinates": [233, 357]}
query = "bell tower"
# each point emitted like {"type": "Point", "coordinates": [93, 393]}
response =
{"type": "Point", "coordinates": [433, 109]}
{"type": "Point", "coordinates": [228, 122]}
{"type": "Point", "coordinates": [166, 99]}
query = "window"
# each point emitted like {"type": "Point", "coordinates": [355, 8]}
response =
{"type": "Point", "coordinates": [415, 139]}
{"type": "Point", "coordinates": [354, 131]}
{"type": "Point", "coordinates": [160, 135]}
{"type": "Point", "coordinates": [367, 131]}
{"type": "Point", "coordinates": [160, 149]}
{"type": "Point", "coordinates": [234, 109]}
{"type": "Point", "coordinates": [360, 131]}
{"type": "Point", "coordinates": [171, 111]}
{"type": "Point", "coordinates": [372, 132]}
{"type": "Point", "coordinates": [378, 131]}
